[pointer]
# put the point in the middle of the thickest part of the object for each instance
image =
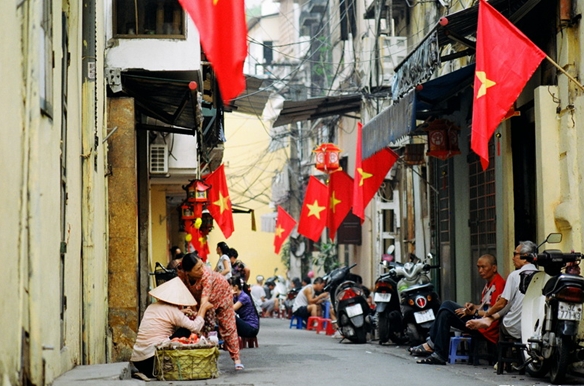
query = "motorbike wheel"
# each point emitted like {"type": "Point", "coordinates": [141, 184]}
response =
{"type": "Point", "coordinates": [383, 328]}
{"type": "Point", "coordinates": [537, 369]}
{"type": "Point", "coordinates": [559, 360]}
{"type": "Point", "coordinates": [360, 335]}
{"type": "Point", "coordinates": [414, 335]}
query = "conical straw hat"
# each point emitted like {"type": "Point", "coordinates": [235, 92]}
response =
{"type": "Point", "coordinates": [174, 292]}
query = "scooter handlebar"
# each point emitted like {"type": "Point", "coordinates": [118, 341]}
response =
{"type": "Point", "coordinates": [552, 256]}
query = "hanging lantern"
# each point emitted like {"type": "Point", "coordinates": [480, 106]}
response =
{"type": "Point", "coordinates": [327, 157]}
{"type": "Point", "coordinates": [206, 222]}
{"type": "Point", "coordinates": [197, 191]}
{"type": "Point", "coordinates": [187, 211]}
{"type": "Point", "coordinates": [442, 138]}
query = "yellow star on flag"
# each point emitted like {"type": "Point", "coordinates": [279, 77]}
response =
{"type": "Point", "coordinates": [215, 2]}
{"type": "Point", "coordinates": [315, 209]}
{"type": "Point", "coordinates": [202, 240]}
{"type": "Point", "coordinates": [222, 203]}
{"type": "Point", "coordinates": [334, 201]}
{"type": "Point", "coordinates": [279, 231]}
{"type": "Point", "coordinates": [364, 176]}
{"type": "Point", "coordinates": [485, 83]}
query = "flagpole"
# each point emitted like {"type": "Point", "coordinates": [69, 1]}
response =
{"type": "Point", "coordinates": [564, 72]}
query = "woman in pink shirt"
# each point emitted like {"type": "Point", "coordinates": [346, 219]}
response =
{"type": "Point", "coordinates": [212, 287]}
{"type": "Point", "coordinates": [161, 319]}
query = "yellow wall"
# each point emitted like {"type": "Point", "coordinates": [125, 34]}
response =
{"type": "Point", "coordinates": [159, 252]}
{"type": "Point", "coordinates": [249, 169]}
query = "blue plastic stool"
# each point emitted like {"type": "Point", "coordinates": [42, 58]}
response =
{"type": "Point", "coordinates": [459, 349]}
{"type": "Point", "coordinates": [297, 321]}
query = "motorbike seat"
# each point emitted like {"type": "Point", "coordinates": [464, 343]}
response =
{"type": "Point", "coordinates": [418, 287]}
{"type": "Point", "coordinates": [561, 280]}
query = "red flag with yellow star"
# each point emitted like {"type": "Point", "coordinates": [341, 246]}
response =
{"type": "Point", "coordinates": [340, 200]}
{"type": "Point", "coordinates": [358, 207]}
{"type": "Point", "coordinates": [284, 226]}
{"type": "Point", "coordinates": [505, 60]}
{"type": "Point", "coordinates": [219, 204]}
{"type": "Point", "coordinates": [314, 209]}
{"type": "Point", "coordinates": [369, 177]}
{"type": "Point", "coordinates": [223, 31]}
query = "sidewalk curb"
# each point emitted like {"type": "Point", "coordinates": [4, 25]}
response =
{"type": "Point", "coordinates": [101, 374]}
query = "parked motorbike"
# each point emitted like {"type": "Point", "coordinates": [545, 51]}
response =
{"type": "Point", "coordinates": [551, 314]}
{"type": "Point", "coordinates": [350, 304]}
{"type": "Point", "coordinates": [418, 302]}
{"type": "Point", "coordinates": [387, 304]}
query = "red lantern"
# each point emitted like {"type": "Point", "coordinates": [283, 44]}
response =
{"type": "Point", "coordinates": [442, 139]}
{"type": "Point", "coordinates": [327, 157]}
{"type": "Point", "coordinates": [187, 212]}
{"type": "Point", "coordinates": [197, 191]}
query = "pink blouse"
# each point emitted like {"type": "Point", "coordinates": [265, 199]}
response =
{"type": "Point", "coordinates": [158, 324]}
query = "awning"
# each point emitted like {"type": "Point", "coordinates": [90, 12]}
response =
{"type": "Point", "coordinates": [167, 99]}
{"type": "Point", "coordinates": [460, 28]}
{"type": "Point", "coordinates": [434, 95]}
{"type": "Point", "coordinates": [253, 100]}
{"type": "Point", "coordinates": [432, 99]}
{"type": "Point", "coordinates": [314, 108]}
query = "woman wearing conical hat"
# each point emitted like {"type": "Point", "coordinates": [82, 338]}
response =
{"type": "Point", "coordinates": [162, 318]}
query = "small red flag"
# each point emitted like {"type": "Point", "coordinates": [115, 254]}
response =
{"type": "Point", "coordinates": [314, 209]}
{"type": "Point", "coordinates": [505, 60]}
{"type": "Point", "coordinates": [219, 204]}
{"type": "Point", "coordinates": [370, 176]}
{"type": "Point", "coordinates": [358, 208]}
{"type": "Point", "coordinates": [284, 226]}
{"type": "Point", "coordinates": [340, 200]}
{"type": "Point", "coordinates": [223, 30]}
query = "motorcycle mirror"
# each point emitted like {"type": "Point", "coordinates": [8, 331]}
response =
{"type": "Point", "coordinates": [552, 238]}
{"type": "Point", "coordinates": [390, 249]}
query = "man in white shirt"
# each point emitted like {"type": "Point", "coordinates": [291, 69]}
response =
{"type": "Point", "coordinates": [258, 293]}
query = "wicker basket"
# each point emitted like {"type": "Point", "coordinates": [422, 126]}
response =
{"type": "Point", "coordinates": [181, 364]}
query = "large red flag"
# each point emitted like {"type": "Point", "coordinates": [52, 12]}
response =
{"type": "Point", "coordinates": [505, 60]}
{"type": "Point", "coordinates": [314, 209]}
{"type": "Point", "coordinates": [340, 200]}
{"type": "Point", "coordinates": [358, 208]}
{"type": "Point", "coordinates": [370, 176]}
{"type": "Point", "coordinates": [219, 204]}
{"type": "Point", "coordinates": [223, 30]}
{"type": "Point", "coordinates": [284, 226]}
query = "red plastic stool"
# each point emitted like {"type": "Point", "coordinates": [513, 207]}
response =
{"type": "Point", "coordinates": [313, 322]}
{"type": "Point", "coordinates": [248, 342]}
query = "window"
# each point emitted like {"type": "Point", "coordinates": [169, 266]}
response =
{"type": "Point", "coordinates": [46, 54]}
{"type": "Point", "coordinates": [148, 18]}
{"type": "Point", "coordinates": [268, 52]}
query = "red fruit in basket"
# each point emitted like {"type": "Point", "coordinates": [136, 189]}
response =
{"type": "Point", "coordinates": [174, 340]}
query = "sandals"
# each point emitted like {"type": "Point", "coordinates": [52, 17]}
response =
{"type": "Point", "coordinates": [420, 351]}
{"type": "Point", "coordinates": [431, 360]}
{"type": "Point", "coordinates": [239, 366]}
{"type": "Point", "coordinates": [141, 376]}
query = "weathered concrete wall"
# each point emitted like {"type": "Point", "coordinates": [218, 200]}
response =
{"type": "Point", "coordinates": [123, 229]}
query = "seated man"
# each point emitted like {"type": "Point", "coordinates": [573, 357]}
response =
{"type": "Point", "coordinates": [451, 314]}
{"type": "Point", "coordinates": [307, 303]}
{"type": "Point", "coordinates": [511, 300]}
{"type": "Point", "coordinates": [271, 301]}
{"type": "Point", "coordinates": [258, 293]}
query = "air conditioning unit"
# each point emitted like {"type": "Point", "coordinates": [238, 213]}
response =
{"type": "Point", "coordinates": [158, 158]}
{"type": "Point", "coordinates": [392, 51]}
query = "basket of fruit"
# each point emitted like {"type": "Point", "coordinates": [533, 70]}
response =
{"type": "Point", "coordinates": [182, 359]}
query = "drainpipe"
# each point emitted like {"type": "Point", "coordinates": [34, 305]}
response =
{"type": "Point", "coordinates": [89, 143]}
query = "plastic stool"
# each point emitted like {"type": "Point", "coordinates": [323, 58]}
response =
{"type": "Point", "coordinates": [459, 348]}
{"type": "Point", "coordinates": [298, 322]}
{"type": "Point", "coordinates": [313, 323]}
{"type": "Point", "coordinates": [509, 351]}
{"type": "Point", "coordinates": [248, 342]}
